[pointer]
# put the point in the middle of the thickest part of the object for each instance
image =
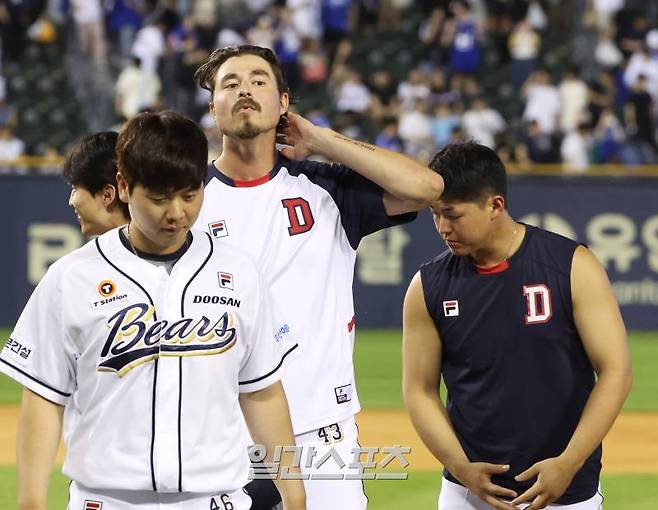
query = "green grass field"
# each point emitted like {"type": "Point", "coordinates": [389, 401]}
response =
{"type": "Point", "coordinates": [378, 369]}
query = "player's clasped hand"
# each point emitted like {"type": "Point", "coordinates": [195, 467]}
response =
{"type": "Point", "coordinates": [476, 476]}
{"type": "Point", "coordinates": [553, 477]}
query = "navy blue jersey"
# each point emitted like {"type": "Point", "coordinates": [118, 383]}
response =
{"type": "Point", "coordinates": [516, 371]}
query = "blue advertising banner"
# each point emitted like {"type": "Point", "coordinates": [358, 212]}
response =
{"type": "Point", "coordinates": [616, 217]}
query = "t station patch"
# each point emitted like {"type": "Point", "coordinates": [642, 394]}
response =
{"type": "Point", "coordinates": [92, 505]}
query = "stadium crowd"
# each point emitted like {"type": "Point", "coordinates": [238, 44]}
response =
{"type": "Point", "coordinates": [541, 81]}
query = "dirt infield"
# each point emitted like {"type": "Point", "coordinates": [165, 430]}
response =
{"type": "Point", "coordinates": [631, 446]}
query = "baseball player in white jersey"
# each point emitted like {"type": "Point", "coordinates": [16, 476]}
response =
{"type": "Point", "coordinates": [152, 341]}
{"type": "Point", "coordinates": [90, 167]}
{"type": "Point", "coordinates": [302, 222]}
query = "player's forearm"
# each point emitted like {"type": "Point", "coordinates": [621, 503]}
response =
{"type": "Point", "coordinates": [601, 410]}
{"type": "Point", "coordinates": [403, 177]}
{"type": "Point", "coordinates": [430, 419]}
{"type": "Point", "coordinates": [268, 419]}
{"type": "Point", "coordinates": [37, 438]}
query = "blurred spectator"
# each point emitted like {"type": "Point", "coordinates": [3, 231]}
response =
{"type": "Point", "coordinates": [601, 95]}
{"type": "Point", "coordinates": [573, 101]}
{"type": "Point", "coordinates": [213, 135]}
{"type": "Point", "coordinates": [645, 62]}
{"type": "Point", "coordinates": [124, 20]}
{"type": "Point", "coordinates": [575, 149]}
{"type": "Point", "coordinates": [352, 94]}
{"type": "Point", "coordinates": [608, 137]}
{"type": "Point", "coordinates": [229, 37]}
{"type": "Point", "coordinates": [338, 21]}
{"type": "Point", "coordinates": [538, 146]}
{"type": "Point", "coordinates": [536, 16]}
{"type": "Point", "coordinates": [606, 52]}
{"type": "Point", "coordinates": [11, 147]}
{"type": "Point", "coordinates": [482, 124]}
{"type": "Point", "coordinates": [287, 46]}
{"type": "Point", "coordinates": [8, 114]}
{"type": "Point", "coordinates": [443, 123]}
{"type": "Point", "coordinates": [262, 34]}
{"type": "Point", "coordinates": [313, 62]}
{"type": "Point", "coordinates": [415, 129]}
{"type": "Point", "coordinates": [440, 91]}
{"type": "Point", "coordinates": [306, 18]}
{"type": "Point", "coordinates": [524, 45]}
{"type": "Point", "coordinates": [88, 16]}
{"type": "Point", "coordinates": [631, 36]}
{"type": "Point", "coordinates": [384, 98]}
{"type": "Point", "coordinates": [430, 32]}
{"type": "Point", "coordinates": [605, 11]}
{"type": "Point", "coordinates": [413, 89]}
{"type": "Point", "coordinates": [461, 35]}
{"type": "Point", "coordinates": [136, 90]}
{"type": "Point", "coordinates": [542, 101]}
{"type": "Point", "coordinates": [388, 137]}
{"type": "Point", "coordinates": [639, 114]}
{"type": "Point", "coordinates": [457, 135]}
{"type": "Point", "coordinates": [149, 46]}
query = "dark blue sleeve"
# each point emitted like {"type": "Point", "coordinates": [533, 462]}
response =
{"type": "Point", "coordinates": [359, 200]}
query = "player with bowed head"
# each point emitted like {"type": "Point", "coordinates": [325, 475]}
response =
{"type": "Point", "coordinates": [147, 345]}
{"type": "Point", "coordinates": [302, 221]}
{"type": "Point", "coordinates": [90, 167]}
{"type": "Point", "coordinates": [524, 328]}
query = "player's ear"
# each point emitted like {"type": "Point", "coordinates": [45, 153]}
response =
{"type": "Point", "coordinates": [497, 205]}
{"type": "Point", "coordinates": [109, 195]}
{"type": "Point", "coordinates": [122, 188]}
{"type": "Point", "coordinates": [284, 103]}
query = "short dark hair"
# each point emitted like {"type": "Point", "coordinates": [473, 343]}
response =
{"type": "Point", "coordinates": [92, 164]}
{"type": "Point", "coordinates": [206, 73]}
{"type": "Point", "coordinates": [471, 172]}
{"type": "Point", "coordinates": [162, 151]}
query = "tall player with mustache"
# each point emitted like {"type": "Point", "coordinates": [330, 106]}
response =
{"type": "Point", "coordinates": [302, 222]}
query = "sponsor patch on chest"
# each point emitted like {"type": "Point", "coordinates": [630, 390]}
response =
{"type": "Point", "coordinates": [451, 308]}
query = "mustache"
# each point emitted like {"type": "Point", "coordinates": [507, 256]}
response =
{"type": "Point", "coordinates": [246, 102]}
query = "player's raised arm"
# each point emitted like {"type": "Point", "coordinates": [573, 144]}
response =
{"type": "Point", "coordinates": [39, 430]}
{"type": "Point", "coordinates": [408, 184]}
{"type": "Point", "coordinates": [420, 383]}
{"type": "Point", "coordinates": [267, 417]}
{"type": "Point", "coordinates": [601, 329]}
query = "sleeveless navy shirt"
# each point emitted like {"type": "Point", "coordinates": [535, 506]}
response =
{"type": "Point", "coordinates": [515, 368]}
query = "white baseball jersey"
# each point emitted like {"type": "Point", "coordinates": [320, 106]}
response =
{"type": "Point", "coordinates": [149, 364]}
{"type": "Point", "coordinates": [302, 223]}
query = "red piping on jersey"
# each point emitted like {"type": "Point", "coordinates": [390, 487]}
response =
{"type": "Point", "coordinates": [351, 324]}
{"type": "Point", "coordinates": [252, 183]}
{"type": "Point", "coordinates": [498, 268]}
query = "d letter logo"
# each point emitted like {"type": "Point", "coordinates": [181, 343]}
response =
{"type": "Point", "coordinates": [299, 214]}
{"type": "Point", "coordinates": [540, 308]}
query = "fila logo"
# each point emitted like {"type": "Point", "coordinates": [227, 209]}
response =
{"type": "Point", "coordinates": [225, 280]}
{"type": "Point", "coordinates": [540, 308]}
{"type": "Point", "coordinates": [218, 229]}
{"type": "Point", "coordinates": [299, 215]}
{"type": "Point", "coordinates": [92, 505]}
{"type": "Point", "coordinates": [451, 308]}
